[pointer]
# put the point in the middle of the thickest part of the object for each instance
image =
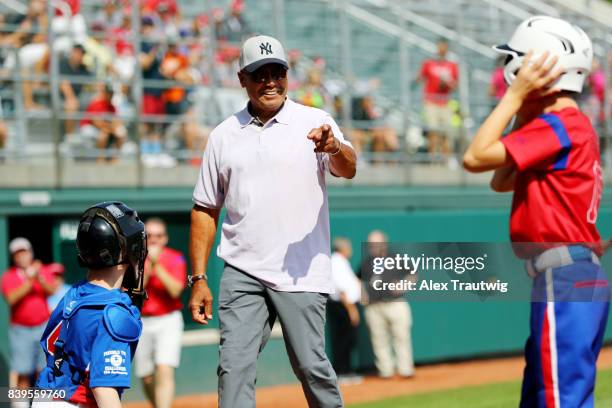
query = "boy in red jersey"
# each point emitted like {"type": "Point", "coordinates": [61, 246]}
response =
{"type": "Point", "coordinates": [551, 162]}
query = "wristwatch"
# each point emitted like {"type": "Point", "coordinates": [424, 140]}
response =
{"type": "Point", "coordinates": [191, 279]}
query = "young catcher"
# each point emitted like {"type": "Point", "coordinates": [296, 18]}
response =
{"type": "Point", "coordinates": [92, 334]}
{"type": "Point", "coordinates": [551, 162]}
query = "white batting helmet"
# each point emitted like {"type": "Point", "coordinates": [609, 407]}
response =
{"type": "Point", "coordinates": [558, 37]}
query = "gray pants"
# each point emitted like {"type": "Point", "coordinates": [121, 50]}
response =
{"type": "Point", "coordinates": [247, 311]}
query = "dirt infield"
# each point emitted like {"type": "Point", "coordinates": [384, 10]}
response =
{"type": "Point", "coordinates": [428, 378]}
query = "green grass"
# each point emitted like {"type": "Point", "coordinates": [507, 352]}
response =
{"type": "Point", "coordinates": [501, 395]}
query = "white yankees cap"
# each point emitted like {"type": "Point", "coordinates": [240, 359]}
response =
{"type": "Point", "coordinates": [261, 50]}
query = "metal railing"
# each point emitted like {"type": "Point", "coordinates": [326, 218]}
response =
{"type": "Point", "coordinates": [40, 153]}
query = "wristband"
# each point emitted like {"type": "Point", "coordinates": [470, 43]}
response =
{"type": "Point", "coordinates": [191, 279]}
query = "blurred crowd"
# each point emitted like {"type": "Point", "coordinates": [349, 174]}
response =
{"type": "Point", "coordinates": [99, 53]}
{"type": "Point", "coordinates": [98, 59]}
{"type": "Point", "coordinates": [113, 61]}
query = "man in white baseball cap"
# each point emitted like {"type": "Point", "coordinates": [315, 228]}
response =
{"type": "Point", "coordinates": [261, 50]}
{"type": "Point", "coordinates": [26, 285]}
{"type": "Point", "coordinates": [19, 244]}
{"type": "Point", "coordinates": [267, 165]}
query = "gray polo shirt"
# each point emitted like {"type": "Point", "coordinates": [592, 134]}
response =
{"type": "Point", "coordinates": [272, 185]}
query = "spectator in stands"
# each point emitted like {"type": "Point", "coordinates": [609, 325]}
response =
{"type": "Point", "coordinates": [175, 67]}
{"type": "Point", "coordinates": [5, 19]}
{"type": "Point", "coordinates": [440, 77]}
{"type": "Point", "coordinates": [387, 314]}
{"type": "Point", "coordinates": [31, 41]}
{"type": "Point", "coordinates": [342, 310]}
{"type": "Point", "coordinates": [312, 93]}
{"type": "Point", "coordinates": [597, 80]}
{"type": "Point", "coordinates": [98, 127]}
{"type": "Point", "coordinates": [121, 42]}
{"type": "Point", "coordinates": [3, 134]}
{"type": "Point", "coordinates": [123, 101]}
{"type": "Point", "coordinates": [26, 285]}
{"type": "Point", "coordinates": [196, 41]}
{"type": "Point", "coordinates": [199, 62]}
{"type": "Point", "coordinates": [368, 128]}
{"type": "Point", "coordinates": [57, 271]}
{"type": "Point", "coordinates": [165, 6]}
{"type": "Point", "coordinates": [198, 29]}
{"type": "Point", "coordinates": [227, 65]}
{"type": "Point", "coordinates": [109, 17]}
{"type": "Point", "coordinates": [169, 18]}
{"type": "Point", "coordinates": [497, 86]}
{"type": "Point", "coordinates": [159, 347]}
{"type": "Point", "coordinates": [195, 136]}
{"type": "Point", "coordinates": [68, 25]}
{"type": "Point", "coordinates": [98, 58]}
{"type": "Point", "coordinates": [234, 27]}
{"type": "Point", "coordinates": [319, 62]}
{"type": "Point", "coordinates": [31, 26]}
{"type": "Point", "coordinates": [71, 68]}
{"type": "Point", "coordinates": [152, 102]}
{"type": "Point", "coordinates": [298, 72]}
{"type": "Point", "coordinates": [218, 15]}
{"type": "Point", "coordinates": [593, 96]}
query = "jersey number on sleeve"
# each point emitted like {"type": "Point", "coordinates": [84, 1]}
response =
{"type": "Point", "coordinates": [597, 190]}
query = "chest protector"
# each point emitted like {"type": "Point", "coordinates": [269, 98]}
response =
{"type": "Point", "coordinates": [120, 319]}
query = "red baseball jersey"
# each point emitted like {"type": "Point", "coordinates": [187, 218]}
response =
{"type": "Point", "coordinates": [159, 301]}
{"type": "Point", "coordinates": [559, 181]}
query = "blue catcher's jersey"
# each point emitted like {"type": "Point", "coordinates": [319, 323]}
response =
{"type": "Point", "coordinates": [97, 329]}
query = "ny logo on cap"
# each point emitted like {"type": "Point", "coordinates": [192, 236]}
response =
{"type": "Point", "coordinates": [265, 47]}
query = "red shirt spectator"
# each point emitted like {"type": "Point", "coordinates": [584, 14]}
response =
{"type": "Point", "coordinates": [597, 82]}
{"type": "Point", "coordinates": [98, 105]}
{"type": "Point", "coordinates": [26, 287]}
{"type": "Point", "coordinates": [159, 346]}
{"type": "Point", "coordinates": [498, 83]}
{"type": "Point", "coordinates": [32, 309]}
{"type": "Point", "coordinates": [121, 37]}
{"type": "Point", "coordinates": [152, 6]}
{"type": "Point", "coordinates": [440, 77]}
{"type": "Point", "coordinates": [159, 301]}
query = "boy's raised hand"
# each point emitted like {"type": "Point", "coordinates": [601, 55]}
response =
{"type": "Point", "coordinates": [534, 78]}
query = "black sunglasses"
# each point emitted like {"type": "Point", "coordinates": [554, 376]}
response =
{"type": "Point", "coordinates": [263, 74]}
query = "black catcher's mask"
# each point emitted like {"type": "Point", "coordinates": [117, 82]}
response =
{"type": "Point", "coordinates": [111, 233]}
